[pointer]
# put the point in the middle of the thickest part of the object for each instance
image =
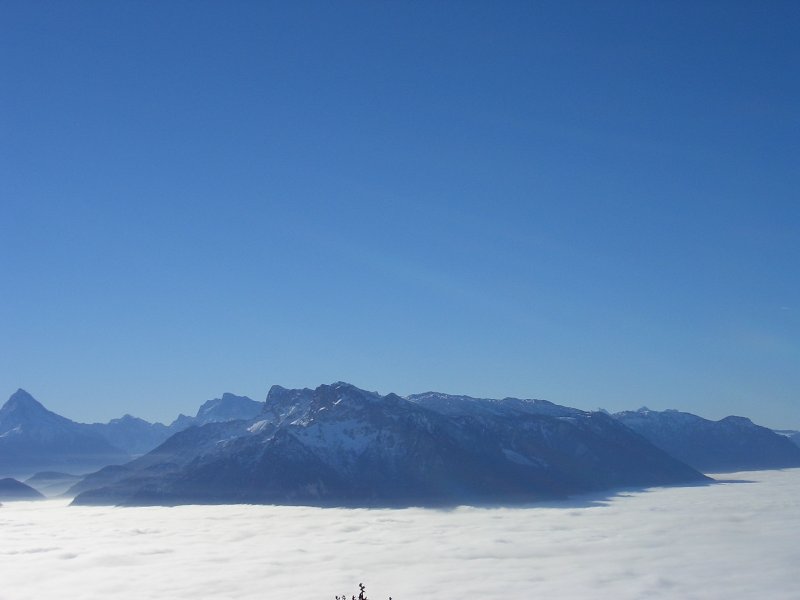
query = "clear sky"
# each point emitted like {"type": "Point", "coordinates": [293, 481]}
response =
{"type": "Point", "coordinates": [595, 203]}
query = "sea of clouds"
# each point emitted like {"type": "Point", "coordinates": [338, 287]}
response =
{"type": "Point", "coordinates": [737, 539]}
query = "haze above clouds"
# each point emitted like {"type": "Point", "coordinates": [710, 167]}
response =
{"type": "Point", "coordinates": [736, 539]}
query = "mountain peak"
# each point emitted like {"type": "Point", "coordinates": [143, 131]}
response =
{"type": "Point", "coordinates": [341, 390]}
{"type": "Point", "coordinates": [343, 385]}
{"type": "Point", "coordinates": [229, 407]}
{"type": "Point", "coordinates": [22, 401]}
{"type": "Point", "coordinates": [348, 387]}
{"type": "Point", "coordinates": [738, 421]}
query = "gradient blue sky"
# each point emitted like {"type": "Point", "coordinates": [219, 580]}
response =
{"type": "Point", "coordinates": [592, 203]}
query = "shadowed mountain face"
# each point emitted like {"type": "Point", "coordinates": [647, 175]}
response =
{"type": "Point", "coordinates": [339, 445]}
{"type": "Point", "coordinates": [11, 489]}
{"type": "Point", "coordinates": [32, 439]}
{"type": "Point", "coordinates": [730, 444]}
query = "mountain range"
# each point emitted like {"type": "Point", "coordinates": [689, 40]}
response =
{"type": "Point", "coordinates": [730, 444]}
{"type": "Point", "coordinates": [33, 438]}
{"type": "Point", "coordinates": [344, 446]}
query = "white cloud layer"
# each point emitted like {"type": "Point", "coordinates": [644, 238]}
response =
{"type": "Point", "coordinates": [732, 540]}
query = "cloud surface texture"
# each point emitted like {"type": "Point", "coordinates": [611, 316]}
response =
{"type": "Point", "coordinates": [736, 539]}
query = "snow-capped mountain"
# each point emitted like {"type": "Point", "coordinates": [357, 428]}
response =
{"type": "Point", "coordinates": [33, 438]}
{"type": "Point", "coordinates": [730, 444]}
{"type": "Point", "coordinates": [340, 445]}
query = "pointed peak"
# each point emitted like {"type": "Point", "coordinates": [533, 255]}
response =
{"type": "Point", "coordinates": [128, 418]}
{"type": "Point", "coordinates": [182, 421]}
{"type": "Point", "coordinates": [21, 394]}
{"type": "Point", "coordinates": [22, 399]}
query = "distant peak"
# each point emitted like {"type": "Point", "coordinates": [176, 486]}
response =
{"type": "Point", "coordinates": [644, 409]}
{"type": "Point", "coordinates": [128, 418]}
{"type": "Point", "coordinates": [733, 419]}
{"type": "Point", "coordinates": [22, 399]}
{"type": "Point", "coordinates": [21, 394]}
{"type": "Point", "coordinates": [275, 390]}
{"type": "Point", "coordinates": [342, 384]}
{"type": "Point", "coordinates": [349, 387]}
{"type": "Point", "coordinates": [345, 393]}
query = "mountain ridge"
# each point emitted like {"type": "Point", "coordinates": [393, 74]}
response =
{"type": "Point", "coordinates": [338, 445]}
{"type": "Point", "coordinates": [732, 443]}
{"type": "Point", "coordinates": [33, 438]}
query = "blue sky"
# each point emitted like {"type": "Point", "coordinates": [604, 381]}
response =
{"type": "Point", "coordinates": [592, 203]}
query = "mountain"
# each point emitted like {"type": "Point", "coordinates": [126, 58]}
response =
{"type": "Point", "coordinates": [228, 408]}
{"type": "Point", "coordinates": [137, 436]}
{"type": "Point", "coordinates": [175, 453]}
{"type": "Point", "coordinates": [133, 435]}
{"type": "Point", "coordinates": [52, 483]}
{"type": "Point", "coordinates": [465, 405]}
{"type": "Point", "coordinates": [792, 434]}
{"type": "Point", "coordinates": [33, 439]}
{"type": "Point", "coordinates": [340, 445]}
{"type": "Point", "coordinates": [589, 448]}
{"type": "Point", "coordinates": [11, 489]}
{"type": "Point", "coordinates": [730, 444]}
